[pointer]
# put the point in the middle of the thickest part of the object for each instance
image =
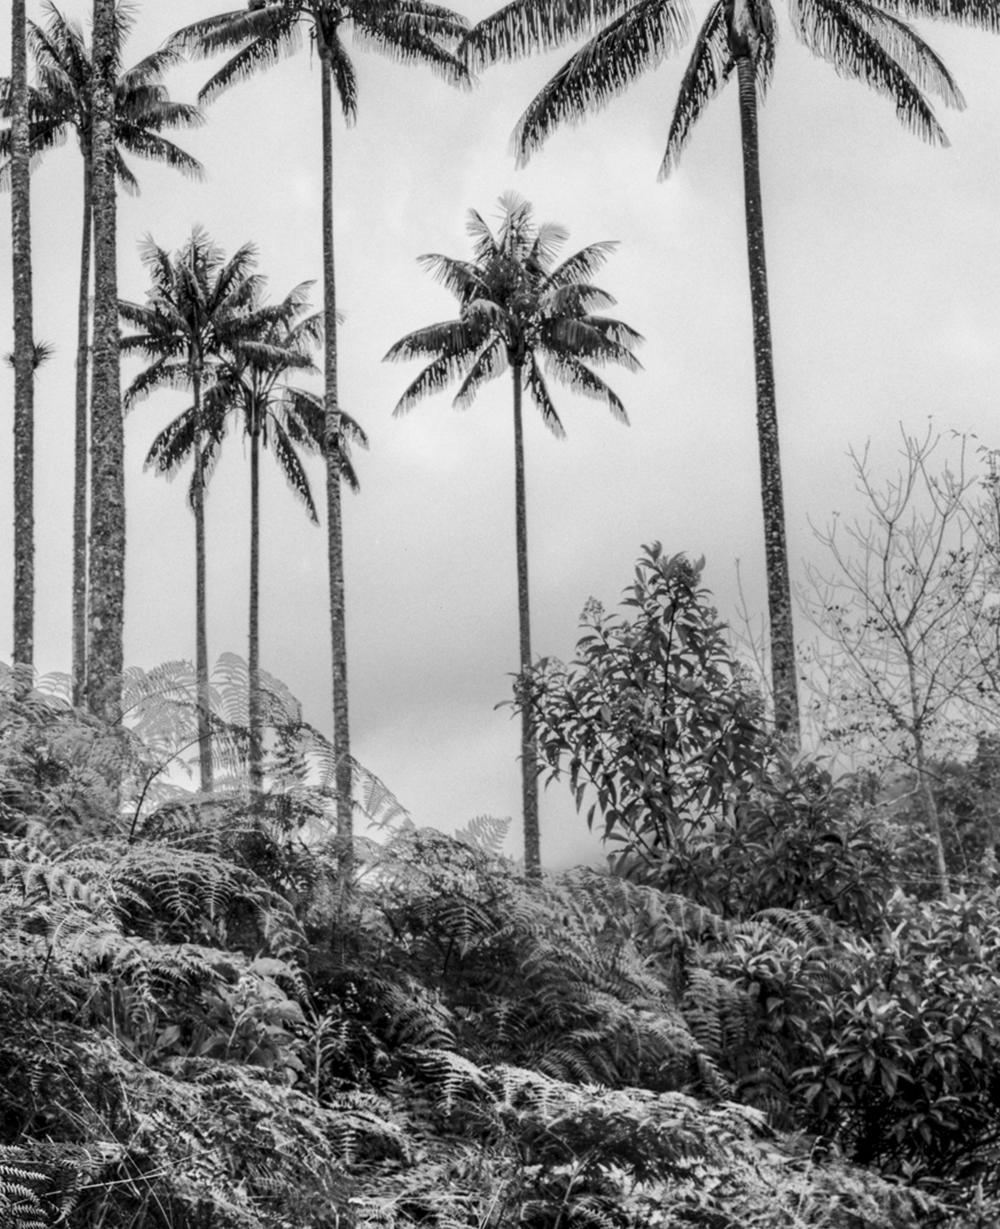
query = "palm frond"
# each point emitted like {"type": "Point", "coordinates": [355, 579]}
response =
{"type": "Point", "coordinates": [225, 31]}
{"type": "Point", "coordinates": [581, 265]}
{"type": "Point", "coordinates": [261, 54]}
{"type": "Point", "coordinates": [434, 378]}
{"type": "Point", "coordinates": [525, 26]}
{"type": "Point", "coordinates": [449, 338]}
{"type": "Point", "coordinates": [345, 79]}
{"type": "Point", "coordinates": [576, 299]}
{"type": "Point", "coordinates": [577, 375]}
{"type": "Point", "coordinates": [917, 60]}
{"type": "Point", "coordinates": [637, 40]}
{"type": "Point", "coordinates": [173, 445]}
{"type": "Point", "coordinates": [595, 339]}
{"type": "Point", "coordinates": [164, 373]}
{"type": "Point", "coordinates": [461, 277]}
{"type": "Point", "coordinates": [706, 73]}
{"type": "Point", "coordinates": [407, 43]}
{"type": "Point", "coordinates": [487, 365]}
{"type": "Point", "coordinates": [540, 395]}
{"type": "Point", "coordinates": [836, 33]}
{"type": "Point", "coordinates": [155, 148]}
{"type": "Point", "coordinates": [980, 14]}
{"type": "Point", "coordinates": [291, 466]}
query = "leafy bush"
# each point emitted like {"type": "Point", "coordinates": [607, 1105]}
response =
{"type": "Point", "coordinates": [904, 1043]}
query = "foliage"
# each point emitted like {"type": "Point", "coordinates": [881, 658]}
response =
{"type": "Point", "coordinates": [905, 1043]}
{"type": "Point", "coordinates": [195, 1032]}
{"type": "Point", "coordinates": [653, 716]}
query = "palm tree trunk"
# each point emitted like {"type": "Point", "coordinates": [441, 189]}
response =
{"type": "Point", "coordinates": [335, 528]}
{"type": "Point", "coordinates": [253, 654]}
{"type": "Point", "coordinates": [201, 600]}
{"type": "Point", "coordinates": [779, 594]}
{"type": "Point", "coordinates": [79, 637]}
{"type": "Point", "coordinates": [529, 754]}
{"type": "Point", "coordinates": [24, 347]}
{"type": "Point", "coordinates": [106, 580]}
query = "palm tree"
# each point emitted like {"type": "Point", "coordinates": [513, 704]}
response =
{"type": "Point", "coordinates": [520, 310]}
{"type": "Point", "coordinates": [862, 40]}
{"type": "Point", "coordinates": [412, 31]}
{"type": "Point", "coordinates": [24, 347]}
{"type": "Point", "coordinates": [251, 382]}
{"type": "Point", "coordinates": [199, 304]}
{"type": "Point", "coordinates": [61, 103]}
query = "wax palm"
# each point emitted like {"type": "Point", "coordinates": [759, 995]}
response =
{"type": "Point", "coordinates": [60, 103]}
{"type": "Point", "coordinates": [411, 31]}
{"type": "Point", "coordinates": [520, 310]}
{"type": "Point", "coordinates": [860, 39]}
{"type": "Point", "coordinates": [252, 384]}
{"type": "Point", "coordinates": [198, 307]}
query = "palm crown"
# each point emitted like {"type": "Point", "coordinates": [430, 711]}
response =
{"type": "Point", "coordinates": [520, 309]}
{"type": "Point", "coordinates": [60, 101]}
{"type": "Point", "coordinates": [408, 30]}
{"type": "Point", "coordinates": [866, 41]}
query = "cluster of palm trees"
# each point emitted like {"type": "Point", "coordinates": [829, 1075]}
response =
{"type": "Point", "coordinates": [113, 110]}
{"type": "Point", "coordinates": [207, 326]}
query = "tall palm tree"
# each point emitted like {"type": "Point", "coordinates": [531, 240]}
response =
{"type": "Point", "coordinates": [24, 346]}
{"type": "Point", "coordinates": [520, 310]}
{"type": "Point", "coordinates": [199, 304]}
{"type": "Point", "coordinates": [412, 31]}
{"type": "Point", "coordinates": [106, 553]}
{"type": "Point", "coordinates": [60, 103]}
{"type": "Point", "coordinates": [864, 40]}
{"type": "Point", "coordinates": [251, 385]}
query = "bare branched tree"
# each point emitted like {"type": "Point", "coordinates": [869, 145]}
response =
{"type": "Point", "coordinates": [908, 659]}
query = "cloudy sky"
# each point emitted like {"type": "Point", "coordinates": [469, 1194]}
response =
{"type": "Point", "coordinates": [884, 260]}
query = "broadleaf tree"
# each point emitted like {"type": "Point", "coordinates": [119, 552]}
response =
{"type": "Point", "coordinates": [653, 720]}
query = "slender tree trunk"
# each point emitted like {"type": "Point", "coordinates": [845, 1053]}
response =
{"type": "Point", "coordinates": [106, 564]}
{"type": "Point", "coordinates": [81, 433]}
{"type": "Point", "coordinates": [253, 654]}
{"type": "Point", "coordinates": [335, 528]}
{"type": "Point", "coordinates": [24, 347]}
{"type": "Point", "coordinates": [779, 594]}
{"type": "Point", "coordinates": [932, 816]}
{"type": "Point", "coordinates": [201, 600]}
{"type": "Point", "coordinates": [529, 754]}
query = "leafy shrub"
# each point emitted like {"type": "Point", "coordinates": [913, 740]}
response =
{"type": "Point", "coordinates": [904, 1043]}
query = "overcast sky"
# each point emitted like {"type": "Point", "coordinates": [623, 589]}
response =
{"type": "Point", "coordinates": [884, 263]}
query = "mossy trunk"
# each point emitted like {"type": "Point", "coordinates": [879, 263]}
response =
{"type": "Point", "coordinates": [334, 527]}
{"type": "Point", "coordinates": [779, 594]}
{"type": "Point", "coordinates": [24, 347]}
{"type": "Point", "coordinates": [253, 651]}
{"type": "Point", "coordinates": [529, 754]}
{"type": "Point", "coordinates": [106, 563]}
{"type": "Point", "coordinates": [202, 683]}
{"type": "Point", "coordinates": [81, 435]}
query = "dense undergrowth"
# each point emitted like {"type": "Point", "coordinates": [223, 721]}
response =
{"type": "Point", "coordinates": [201, 1027]}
